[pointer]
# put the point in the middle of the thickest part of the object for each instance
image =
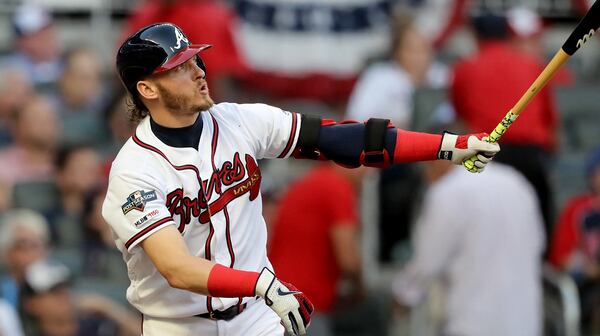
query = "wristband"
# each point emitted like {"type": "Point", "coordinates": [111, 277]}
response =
{"type": "Point", "coordinates": [228, 282]}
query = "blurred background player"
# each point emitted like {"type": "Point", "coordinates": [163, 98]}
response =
{"type": "Point", "coordinates": [489, 269]}
{"type": "Point", "coordinates": [526, 31]}
{"type": "Point", "coordinates": [481, 94]}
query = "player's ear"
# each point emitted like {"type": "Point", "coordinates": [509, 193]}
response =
{"type": "Point", "coordinates": [147, 89]}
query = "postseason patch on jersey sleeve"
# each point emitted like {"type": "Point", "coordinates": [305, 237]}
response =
{"type": "Point", "coordinates": [137, 200]}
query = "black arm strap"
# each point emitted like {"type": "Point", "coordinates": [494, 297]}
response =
{"type": "Point", "coordinates": [308, 140]}
{"type": "Point", "coordinates": [348, 144]}
{"type": "Point", "coordinates": [375, 131]}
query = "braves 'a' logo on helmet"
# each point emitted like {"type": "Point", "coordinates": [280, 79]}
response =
{"type": "Point", "coordinates": [180, 37]}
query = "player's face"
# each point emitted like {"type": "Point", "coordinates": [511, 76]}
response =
{"type": "Point", "coordinates": [183, 89]}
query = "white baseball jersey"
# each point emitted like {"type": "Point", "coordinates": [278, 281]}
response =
{"type": "Point", "coordinates": [153, 185]}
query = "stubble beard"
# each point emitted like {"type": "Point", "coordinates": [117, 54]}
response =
{"type": "Point", "coordinates": [181, 104]}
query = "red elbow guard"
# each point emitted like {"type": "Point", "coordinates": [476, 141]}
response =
{"type": "Point", "coordinates": [415, 146]}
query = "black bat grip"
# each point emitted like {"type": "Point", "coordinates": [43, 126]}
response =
{"type": "Point", "coordinates": [584, 30]}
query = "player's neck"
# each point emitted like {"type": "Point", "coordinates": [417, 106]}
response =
{"type": "Point", "coordinates": [172, 120]}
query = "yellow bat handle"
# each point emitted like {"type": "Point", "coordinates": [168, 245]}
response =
{"type": "Point", "coordinates": [557, 61]}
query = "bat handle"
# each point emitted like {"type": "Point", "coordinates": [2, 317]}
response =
{"type": "Point", "coordinates": [500, 129]}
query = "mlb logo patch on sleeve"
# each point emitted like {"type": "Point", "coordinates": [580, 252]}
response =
{"type": "Point", "coordinates": [144, 219]}
{"type": "Point", "coordinates": [137, 200]}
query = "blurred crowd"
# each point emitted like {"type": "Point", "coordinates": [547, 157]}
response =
{"type": "Point", "coordinates": [470, 251]}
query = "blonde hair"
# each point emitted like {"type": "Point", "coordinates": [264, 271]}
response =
{"type": "Point", "coordinates": [136, 108]}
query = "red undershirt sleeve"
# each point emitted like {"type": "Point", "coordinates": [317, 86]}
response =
{"type": "Point", "coordinates": [415, 146]}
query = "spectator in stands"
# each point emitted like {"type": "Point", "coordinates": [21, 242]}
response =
{"type": "Point", "coordinates": [310, 49]}
{"type": "Point", "coordinates": [78, 174]}
{"type": "Point", "coordinates": [217, 27]}
{"type": "Point", "coordinates": [50, 308]}
{"type": "Point", "coordinates": [9, 320]}
{"type": "Point", "coordinates": [36, 44]}
{"type": "Point", "coordinates": [490, 268]}
{"type": "Point", "coordinates": [15, 90]}
{"type": "Point", "coordinates": [481, 103]}
{"type": "Point", "coordinates": [31, 156]}
{"type": "Point", "coordinates": [23, 240]}
{"type": "Point", "coordinates": [80, 85]}
{"type": "Point", "coordinates": [317, 226]}
{"type": "Point", "coordinates": [79, 96]}
{"type": "Point", "coordinates": [575, 246]}
{"type": "Point", "coordinates": [385, 89]}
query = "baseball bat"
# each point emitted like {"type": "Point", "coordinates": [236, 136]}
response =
{"type": "Point", "coordinates": [582, 33]}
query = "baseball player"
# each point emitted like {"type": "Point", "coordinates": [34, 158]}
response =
{"type": "Point", "coordinates": [184, 191]}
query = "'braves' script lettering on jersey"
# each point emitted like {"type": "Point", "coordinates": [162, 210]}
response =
{"type": "Point", "coordinates": [230, 172]}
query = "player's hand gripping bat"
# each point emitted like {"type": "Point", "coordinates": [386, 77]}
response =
{"type": "Point", "coordinates": [582, 33]}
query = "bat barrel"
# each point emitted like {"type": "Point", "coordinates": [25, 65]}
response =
{"type": "Point", "coordinates": [584, 30]}
{"type": "Point", "coordinates": [540, 82]}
